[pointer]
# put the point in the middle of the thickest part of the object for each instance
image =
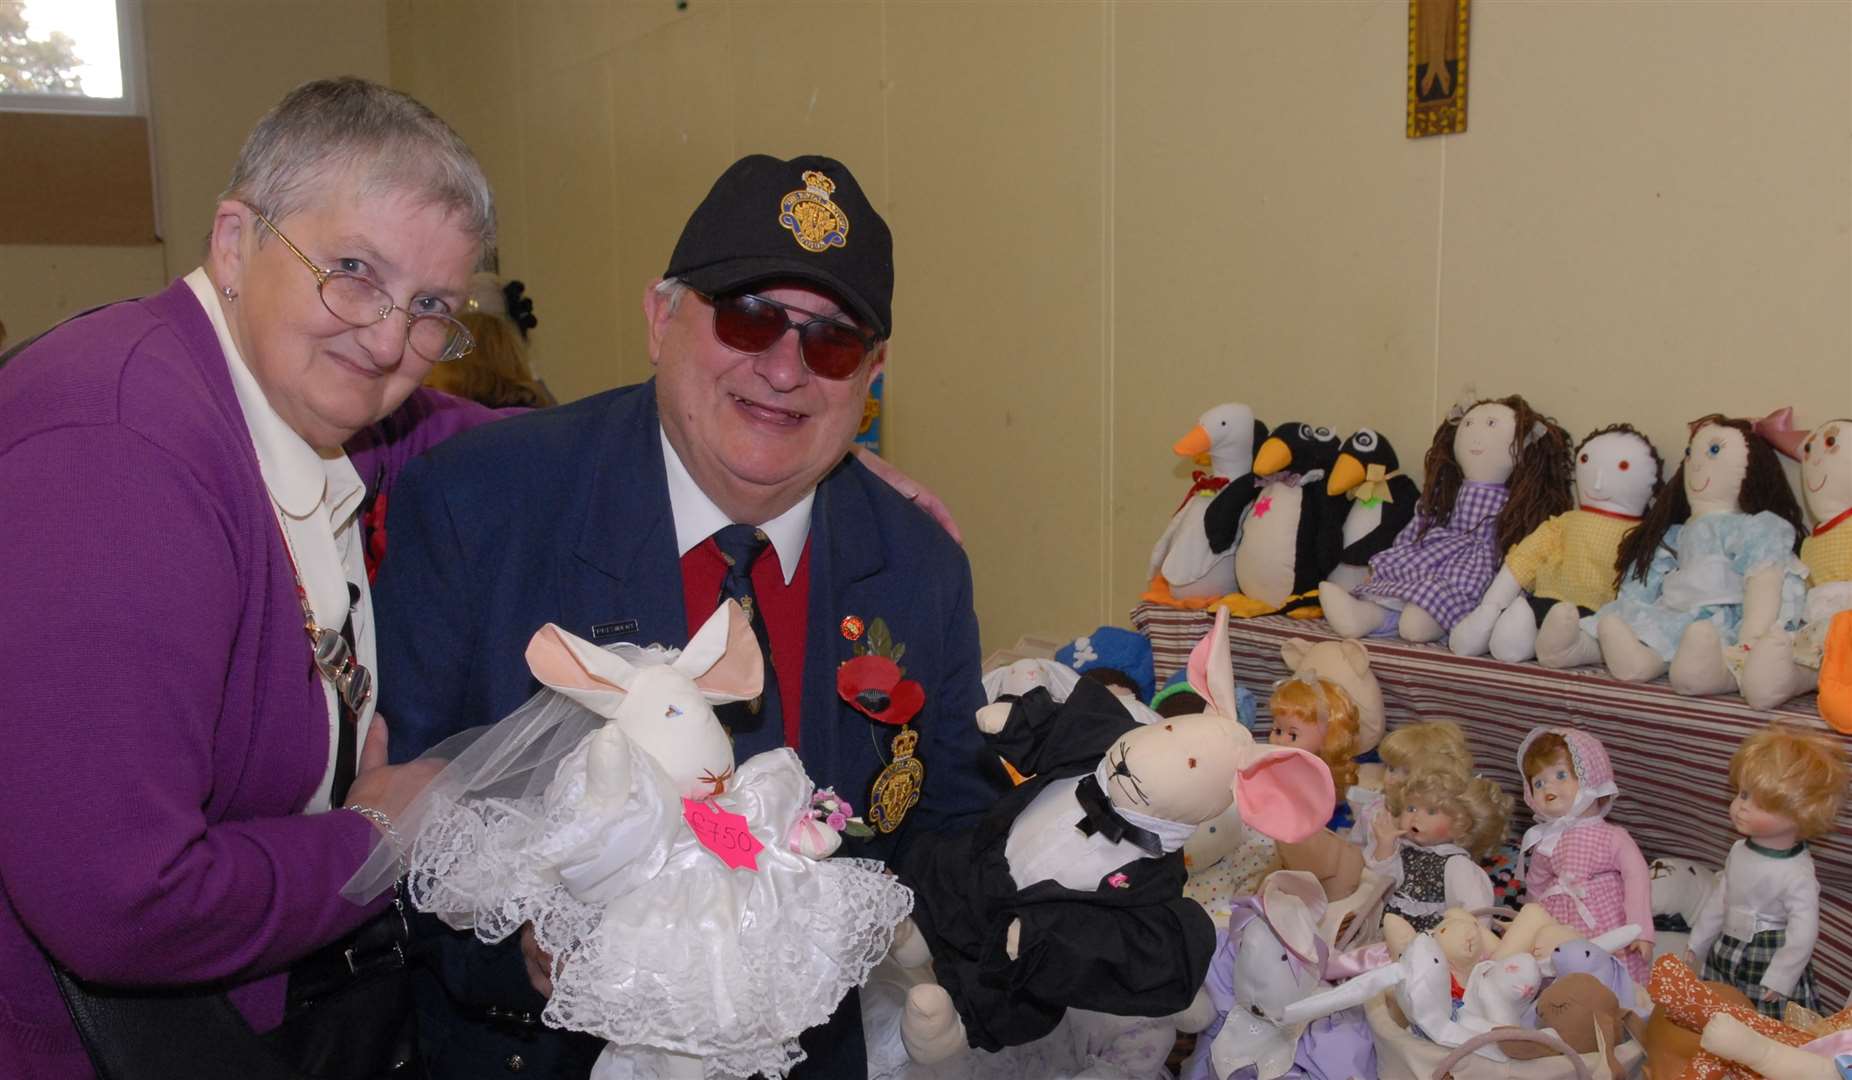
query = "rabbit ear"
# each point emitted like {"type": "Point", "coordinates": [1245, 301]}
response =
{"type": "Point", "coordinates": [724, 659]}
{"type": "Point", "coordinates": [591, 676]}
{"type": "Point", "coordinates": [1212, 674]}
{"type": "Point", "coordinates": [1294, 902]}
{"type": "Point", "coordinates": [1286, 794]}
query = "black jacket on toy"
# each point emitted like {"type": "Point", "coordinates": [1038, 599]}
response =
{"type": "Point", "coordinates": [1134, 948]}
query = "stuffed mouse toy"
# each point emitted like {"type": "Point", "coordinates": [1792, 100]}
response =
{"type": "Point", "coordinates": [688, 926]}
{"type": "Point", "coordinates": [1069, 895]}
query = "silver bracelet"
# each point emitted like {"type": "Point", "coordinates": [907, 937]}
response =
{"type": "Point", "coordinates": [379, 818]}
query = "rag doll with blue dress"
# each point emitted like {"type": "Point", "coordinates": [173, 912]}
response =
{"type": "Point", "coordinates": [1713, 564]}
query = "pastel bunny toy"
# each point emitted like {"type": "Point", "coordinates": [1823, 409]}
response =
{"type": "Point", "coordinates": [1070, 893]}
{"type": "Point", "coordinates": [684, 928]}
{"type": "Point", "coordinates": [1274, 955]}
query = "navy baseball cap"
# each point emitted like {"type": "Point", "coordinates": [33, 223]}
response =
{"type": "Point", "coordinates": [804, 220]}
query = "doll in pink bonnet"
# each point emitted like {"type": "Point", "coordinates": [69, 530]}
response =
{"type": "Point", "coordinates": [1585, 871]}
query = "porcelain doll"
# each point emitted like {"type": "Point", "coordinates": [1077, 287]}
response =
{"type": "Point", "coordinates": [1756, 931]}
{"type": "Point", "coordinates": [1494, 473]}
{"type": "Point", "coordinates": [1442, 822]}
{"type": "Point", "coordinates": [1586, 871]}
{"type": "Point", "coordinates": [1780, 665]}
{"type": "Point", "coordinates": [1317, 716]}
{"type": "Point", "coordinates": [1569, 559]}
{"type": "Point", "coordinates": [1712, 563]}
{"type": "Point", "coordinates": [1434, 743]}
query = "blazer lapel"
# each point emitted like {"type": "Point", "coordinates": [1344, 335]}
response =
{"type": "Point", "coordinates": [844, 557]}
{"type": "Point", "coordinates": [624, 568]}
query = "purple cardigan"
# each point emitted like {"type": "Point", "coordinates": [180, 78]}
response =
{"type": "Point", "coordinates": [161, 723]}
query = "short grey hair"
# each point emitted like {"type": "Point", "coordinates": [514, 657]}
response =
{"type": "Point", "coordinates": [674, 289]}
{"type": "Point", "coordinates": [392, 142]}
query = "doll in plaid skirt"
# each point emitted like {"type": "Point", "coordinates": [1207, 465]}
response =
{"type": "Point", "coordinates": [1757, 929]}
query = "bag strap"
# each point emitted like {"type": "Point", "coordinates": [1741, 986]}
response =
{"type": "Point", "coordinates": [1444, 1071]}
{"type": "Point", "coordinates": [26, 344]}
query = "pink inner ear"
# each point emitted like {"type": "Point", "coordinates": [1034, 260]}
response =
{"type": "Point", "coordinates": [1286, 794]}
{"type": "Point", "coordinates": [552, 660]}
{"type": "Point", "coordinates": [740, 671]}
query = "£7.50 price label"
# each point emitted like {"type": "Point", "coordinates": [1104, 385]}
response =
{"type": "Point", "coordinates": [724, 833]}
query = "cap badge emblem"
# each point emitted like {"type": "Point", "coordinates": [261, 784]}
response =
{"type": "Point", "coordinates": [816, 222]}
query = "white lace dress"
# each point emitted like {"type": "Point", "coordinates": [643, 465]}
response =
{"type": "Point", "coordinates": [659, 947]}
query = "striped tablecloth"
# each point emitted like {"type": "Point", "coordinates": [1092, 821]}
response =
{"type": "Point", "coordinates": [1671, 753]}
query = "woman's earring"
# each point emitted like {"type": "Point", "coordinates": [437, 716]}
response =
{"type": "Point", "coordinates": [230, 293]}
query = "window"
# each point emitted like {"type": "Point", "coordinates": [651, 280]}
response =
{"type": "Point", "coordinates": [69, 56]}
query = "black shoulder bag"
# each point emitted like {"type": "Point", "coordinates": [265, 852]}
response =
{"type": "Point", "coordinates": [348, 1017]}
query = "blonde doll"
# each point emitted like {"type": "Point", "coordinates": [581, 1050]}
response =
{"type": "Point", "coordinates": [1585, 871]}
{"type": "Point", "coordinates": [1434, 742]}
{"type": "Point", "coordinates": [1441, 822]}
{"type": "Point", "coordinates": [1317, 716]}
{"type": "Point", "coordinates": [1756, 931]}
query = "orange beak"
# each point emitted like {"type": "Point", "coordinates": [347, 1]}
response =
{"type": "Point", "coordinates": [1273, 456]}
{"type": "Point", "coordinates": [1196, 442]}
{"type": "Point", "coordinates": [1346, 474]}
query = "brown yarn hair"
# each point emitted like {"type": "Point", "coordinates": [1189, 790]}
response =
{"type": "Point", "coordinates": [1299, 699]}
{"type": "Point", "coordinates": [1542, 473]}
{"type": "Point", "coordinates": [495, 373]}
{"type": "Point", "coordinates": [1793, 772]}
{"type": "Point", "coordinates": [1765, 487]}
{"type": "Point", "coordinates": [1478, 808]}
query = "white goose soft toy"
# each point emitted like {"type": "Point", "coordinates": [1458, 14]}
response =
{"type": "Point", "coordinates": [685, 930]}
{"type": "Point", "coordinates": [1184, 568]}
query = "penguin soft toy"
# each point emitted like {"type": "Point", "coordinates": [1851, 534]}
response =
{"type": "Point", "coordinates": [1292, 533]}
{"type": "Point", "coordinates": [1382, 500]}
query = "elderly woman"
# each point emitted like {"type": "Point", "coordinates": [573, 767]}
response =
{"type": "Point", "coordinates": [180, 509]}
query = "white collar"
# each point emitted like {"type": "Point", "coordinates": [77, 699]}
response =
{"type": "Point", "coordinates": [296, 474]}
{"type": "Point", "coordinates": [1170, 834]}
{"type": "Point", "coordinates": [697, 518]}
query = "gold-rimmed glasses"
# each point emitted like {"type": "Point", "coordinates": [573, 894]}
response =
{"type": "Point", "coordinates": [359, 302]}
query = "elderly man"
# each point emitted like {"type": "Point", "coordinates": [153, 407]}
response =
{"type": "Point", "coordinates": [628, 517]}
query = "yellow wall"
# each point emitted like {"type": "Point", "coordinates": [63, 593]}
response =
{"type": "Point", "coordinates": [214, 67]}
{"type": "Point", "coordinates": [1113, 215]}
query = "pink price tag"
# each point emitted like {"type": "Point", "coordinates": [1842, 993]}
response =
{"type": "Point", "coordinates": [724, 833]}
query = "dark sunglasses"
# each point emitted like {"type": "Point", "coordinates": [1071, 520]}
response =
{"type": "Point", "coordinates": [748, 323]}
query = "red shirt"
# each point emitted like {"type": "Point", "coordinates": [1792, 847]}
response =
{"type": "Point", "coordinates": [785, 608]}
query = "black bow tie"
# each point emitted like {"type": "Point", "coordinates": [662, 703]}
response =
{"type": "Point", "coordinates": [1670, 924]}
{"type": "Point", "coordinates": [1103, 819]}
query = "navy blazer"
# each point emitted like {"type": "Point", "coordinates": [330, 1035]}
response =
{"type": "Point", "coordinates": [563, 516]}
